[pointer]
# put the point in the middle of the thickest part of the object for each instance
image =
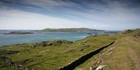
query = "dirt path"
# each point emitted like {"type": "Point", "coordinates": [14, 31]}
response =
{"type": "Point", "coordinates": [134, 58]}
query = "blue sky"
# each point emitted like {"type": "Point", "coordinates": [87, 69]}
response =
{"type": "Point", "coordinates": [95, 14]}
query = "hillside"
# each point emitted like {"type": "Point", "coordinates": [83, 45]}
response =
{"type": "Point", "coordinates": [53, 55]}
{"type": "Point", "coordinates": [123, 55]}
{"type": "Point", "coordinates": [70, 30]}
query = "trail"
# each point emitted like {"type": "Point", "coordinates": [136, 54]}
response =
{"type": "Point", "coordinates": [134, 58]}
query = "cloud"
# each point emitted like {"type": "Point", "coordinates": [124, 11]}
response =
{"type": "Point", "coordinates": [50, 3]}
{"type": "Point", "coordinates": [115, 12]}
{"type": "Point", "coordinates": [97, 14]}
{"type": "Point", "coordinates": [25, 20]}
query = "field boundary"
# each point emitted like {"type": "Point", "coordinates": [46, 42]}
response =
{"type": "Point", "coordinates": [83, 58]}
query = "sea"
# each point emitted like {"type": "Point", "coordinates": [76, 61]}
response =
{"type": "Point", "coordinates": [10, 39]}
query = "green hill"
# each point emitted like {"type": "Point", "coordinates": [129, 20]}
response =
{"type": "Point", "coordinates": [123, 55]}
{"type": "Point", "coordinates": [70, 30]}
{"type": "Point", "coordinates": [52, 55]}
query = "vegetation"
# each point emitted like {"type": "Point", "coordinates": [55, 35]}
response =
{"type": "Point", "coordinates": [5, 66]}
{"type": "Point", "coordinates": [41, 56]}
{"type": "Point", "coordinates": [123, 55]}
{"type": "Point", "coordinates": [70, 30]}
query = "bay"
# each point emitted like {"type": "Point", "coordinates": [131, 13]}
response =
{"type": "Point", "coordinates": [39, 36]}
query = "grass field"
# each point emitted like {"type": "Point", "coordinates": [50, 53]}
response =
{"type": "Point", "coordinates": [123, 55]}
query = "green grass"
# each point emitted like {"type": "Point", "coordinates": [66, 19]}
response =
{"type": "Point", "coordinates": [126, 55]}
{"type": "Point", "coordinates": [54, 57]}
{"type": "Point", "coordinates": [120, 58]}
{"type": "Point", "coordinates": [5, 66]}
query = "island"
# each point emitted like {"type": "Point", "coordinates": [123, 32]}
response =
{"type": "Point", "coordinates": [69, 30]}
{"type": "Point", "coordinates": [18, 33]}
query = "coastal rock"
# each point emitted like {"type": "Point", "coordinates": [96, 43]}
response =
{"type": "Point", "coordinates": [54, 43]}
{"type": "Point", "coordinates": [9, 51]}
{"type": "Point", "coordinates": [51, 43]}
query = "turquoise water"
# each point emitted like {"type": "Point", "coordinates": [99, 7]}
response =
{"type": "Point", "coordinates": [40, 36]}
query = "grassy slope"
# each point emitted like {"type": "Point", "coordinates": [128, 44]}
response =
{"type": "Point", "coordinates": [5, 66]}
{"type": "Point", "coordinates": [53, 57]}
{"type": "Point", "coordinates": [125, 55]}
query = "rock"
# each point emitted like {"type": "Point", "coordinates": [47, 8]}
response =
{"type": "Point", "coordinates": [8, 51]}
{"type": "Point", "coordinates": [90, 68]}
{"type": "Point", "coordinates": [100, 67]}
{"type": "Point", "coordinates": [12, 52]}
{"type": "Point", "coordinates": [43, 44]}
{"type": "Point", "coordinates": [47, 50]}
{"type": "Point", "coordinates": [28, 60]}
{"type": "Point", "coordinates": [137, 36]}
{"type": "Point", "coordinates": [54, 43]}
{"type": "Point", "coordinates": [13, 64]}
{"type": "Point", "coordinates": [51, 43]}
{"type": "Point", "coordinates": [109, 52]}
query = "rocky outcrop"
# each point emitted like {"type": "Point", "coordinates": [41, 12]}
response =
{"type": "Point", "coordinates": [51, 43]}
{"type": "Point", "coordinates": [9, 62]}
{"type": "Point", "coordinates": [137, 36]}
{"type": "Point", "coordinates": [58, 42]}
{"type": "Point", "coordinates": [8, 51]}
{"type": "Point", "coordinates": [13, 64]}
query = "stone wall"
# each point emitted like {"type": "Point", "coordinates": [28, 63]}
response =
{"type": "Point", "coordinates": [82, 59]}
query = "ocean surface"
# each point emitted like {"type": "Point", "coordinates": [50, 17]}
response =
{"type": "Point", "coordinates": [40, 36]}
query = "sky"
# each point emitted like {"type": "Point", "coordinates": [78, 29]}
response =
{"type": "Point", "coordinates": [94, 14]}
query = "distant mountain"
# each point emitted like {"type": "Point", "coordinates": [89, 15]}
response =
{"type": "Point", "coordinates": [70, 30]}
